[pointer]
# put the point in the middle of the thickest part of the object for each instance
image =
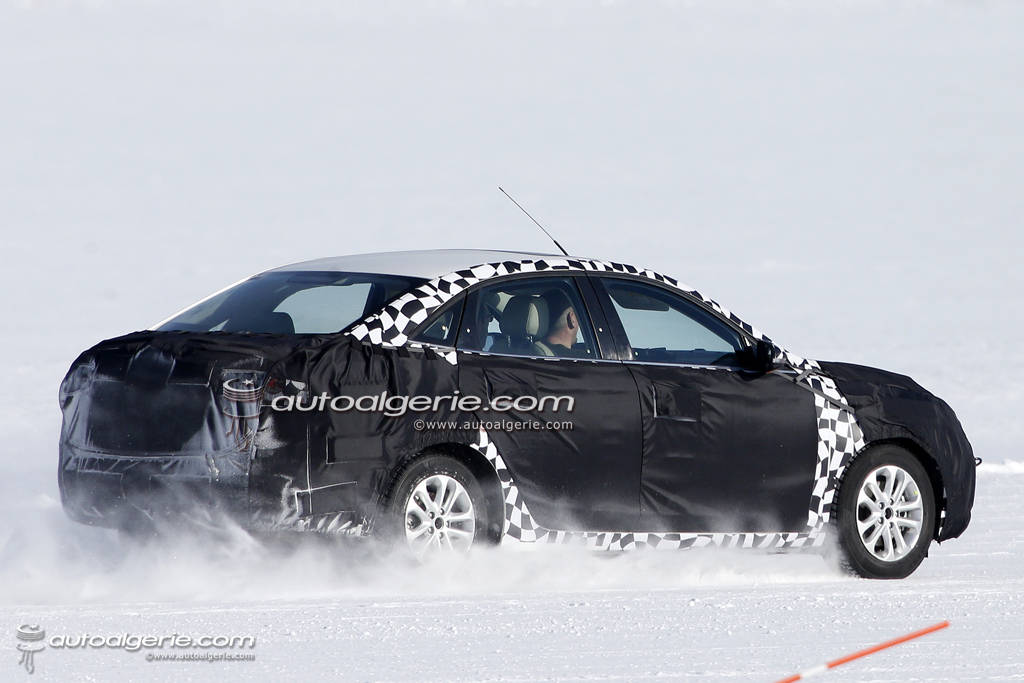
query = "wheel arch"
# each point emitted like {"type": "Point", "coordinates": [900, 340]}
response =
{"type": "Point", "coordinates": [481, 469]}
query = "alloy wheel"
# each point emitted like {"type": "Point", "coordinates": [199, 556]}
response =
{"type": "Point", "coordinates": [890, 513]}
{"type": "Point", "coordinates": [439, 516]}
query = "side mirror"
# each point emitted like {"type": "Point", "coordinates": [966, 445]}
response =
{"type": "Point", "coordinates": [759, 357]}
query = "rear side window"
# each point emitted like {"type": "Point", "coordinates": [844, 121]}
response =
{"type": "Point", "coordinates": [662, 327]}
{"type": "Point", "coordinates": [441, 328]}
{"type": "Point", "coordinates": [541, 317]}
{"type": "Point", "coordinates": [298, 302]}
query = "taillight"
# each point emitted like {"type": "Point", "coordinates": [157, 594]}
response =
{"type": "Point", "coordinates": [80, 377]}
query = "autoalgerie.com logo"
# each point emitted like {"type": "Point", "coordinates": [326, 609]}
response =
{"type": "Point", "coordinates": [31, 640]}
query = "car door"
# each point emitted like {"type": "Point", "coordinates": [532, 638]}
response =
{"type": "Point", "coordinates": [539, 337]}
{"type": "Point", "coordinates": [725, 448]}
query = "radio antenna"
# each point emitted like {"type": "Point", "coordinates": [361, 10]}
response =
{"type": "Point", "coordinates": [543, 229]}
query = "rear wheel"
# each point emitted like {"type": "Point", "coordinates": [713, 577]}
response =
{"type": "Point", "coordinates": [885, 514]}
{"type": "Point", "coordinates": [437, 507]}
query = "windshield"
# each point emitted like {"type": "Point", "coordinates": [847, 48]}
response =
{"type": "Point", "coordinates": [295, 302]}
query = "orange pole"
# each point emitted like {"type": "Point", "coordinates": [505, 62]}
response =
{"type": "Point", "coordinates": [864, 653]}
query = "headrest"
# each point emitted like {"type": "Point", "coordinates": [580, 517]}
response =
{"type": "Point", "coordinates": [491, 300]}
{"type": "Point", "coordinates": [525, 316]}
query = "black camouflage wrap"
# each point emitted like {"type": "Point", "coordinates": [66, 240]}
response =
{"type": "Point", "coordinates": [893, 407]}
{"type": "Point", "coordinates": [163, 416]}
{"type": "Point", "coordinates": [150, 428]}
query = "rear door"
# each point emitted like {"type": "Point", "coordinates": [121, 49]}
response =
{"type": "Point", "coordinates": [544, 336]}
{"type": "Point", "coordinates": [724, 448]}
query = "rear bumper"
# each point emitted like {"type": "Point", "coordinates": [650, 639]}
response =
{"type": "Point", "coordinates": [122, 491]}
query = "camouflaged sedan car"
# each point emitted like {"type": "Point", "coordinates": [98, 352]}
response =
{"type": "Point", "coordinates": [457, 398]}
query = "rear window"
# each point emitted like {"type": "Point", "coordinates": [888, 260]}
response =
{"type": "Point", "coordinates": [297, 302]}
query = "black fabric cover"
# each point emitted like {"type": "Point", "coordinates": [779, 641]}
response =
{"type": "Point", "coordinates": [891, 406]}
{"type": "Point", "coordinates": [583, 478]}
{"type": "Point", "coordinates": [724, 451]}
{"type": "Point", "coordinates": [160, 398]}
{"type": "Point", "coordinates": [175, 403]}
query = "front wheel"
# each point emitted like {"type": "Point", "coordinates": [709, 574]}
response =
{"type": "Point", "coordinates": [437, 507]}
{"type": "Point", "coordinates": [885, 514]}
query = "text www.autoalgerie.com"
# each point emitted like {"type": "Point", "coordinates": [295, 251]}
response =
{"type": "Point", "coordinates": [201, 657]}
{"type": "Point", "coordinates": [494, 425]}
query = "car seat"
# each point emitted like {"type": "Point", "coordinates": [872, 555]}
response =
{"type": "Point", "coordinates": [524, 320]}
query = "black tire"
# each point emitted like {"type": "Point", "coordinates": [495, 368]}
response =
{"type": "Point", "coordinates": [393, 527]}
{"type": "Point", "coordinates": [853, 553]}
{"type": "Point", "coordinates": [136, 536]}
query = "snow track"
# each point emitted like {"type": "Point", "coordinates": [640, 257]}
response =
{"type": "Point", "coordinates": [546, 613]}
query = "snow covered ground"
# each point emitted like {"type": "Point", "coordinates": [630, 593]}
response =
{"type": "Point", "coordinates": [540, 615]}
{"type": "Point", "coordinates": [845, 176]}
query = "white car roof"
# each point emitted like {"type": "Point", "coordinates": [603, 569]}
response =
{"type": "Point", "coordinates": [427, 263]}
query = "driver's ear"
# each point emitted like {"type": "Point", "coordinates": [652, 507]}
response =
{"type": "Point", "coordinates": [570, 320]}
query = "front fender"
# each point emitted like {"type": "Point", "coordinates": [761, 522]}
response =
{"type": "Point", "coordinates": [893, 407]}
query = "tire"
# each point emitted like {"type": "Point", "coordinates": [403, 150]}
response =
{"type": "Point", "coordinates": [436, 507]}
{"type": "Point", "coordinates": [884, 514]}
{"type": "Point", "coordinates": [136, 536]}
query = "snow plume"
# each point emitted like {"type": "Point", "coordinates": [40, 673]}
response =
{"type": "Point", "coordinates": [47, 559]}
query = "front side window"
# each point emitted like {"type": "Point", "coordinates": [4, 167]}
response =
{"type": "Point", "coordinates": [662, 327]}
{"type": "Point", "coordinates": [542, 317]}
{"type": "Point", "coordinates": [293, 302]}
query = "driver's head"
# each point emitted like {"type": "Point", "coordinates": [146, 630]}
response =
{"type": "Point", "coordinates": [563, 322]}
